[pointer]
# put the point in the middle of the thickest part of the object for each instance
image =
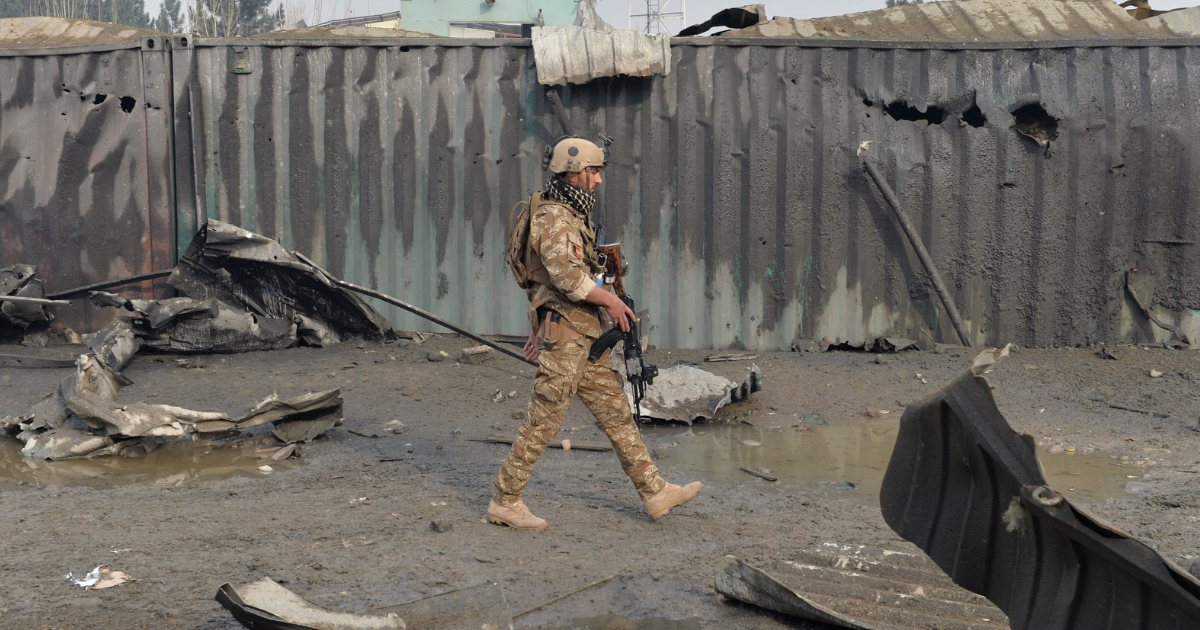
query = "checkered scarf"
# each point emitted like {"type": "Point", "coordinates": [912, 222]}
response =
{"type": "Point", "coordinates": [557, 189]}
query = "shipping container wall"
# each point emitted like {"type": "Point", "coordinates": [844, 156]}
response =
{"type": "Point", "coordinates": [86, 191]}
{"type": "Point", "coordinates": [1037, 178]}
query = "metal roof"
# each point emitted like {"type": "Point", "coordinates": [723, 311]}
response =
{"type": "Point", "coordinates": [982, 21]}
{"type": "Point", "coordinates": [49, 32]}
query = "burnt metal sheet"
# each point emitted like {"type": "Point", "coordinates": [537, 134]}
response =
{"type": "Point", "coordinates": [258, 277]}
{"type": "Point", "coordinates": [733, 184]}
{"type": "Point", "coordinates": [969, 491]}
{"type": "Point", "coordinates": [86, 193]}
{"type": "Point", "coordinates": [573, 54]}
{"type": "Point", "coordinates": [858, 587]}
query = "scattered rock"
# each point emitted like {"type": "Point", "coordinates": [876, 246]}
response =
{"type": "Point", "coordinates": [1155, 374]}
{"type": "Point", "coordinates": [437, 357]}
{"type": "Point", "coordinates": [1105, 354]}
{"type": "Point", "coordinates": [566, 445]}
{"type": "Point", "coordinates": [72, 337]}
{"type": "Point", "coordinates": [477, 354]}
{"type": "Point", "coordinates": [441, 527]}
{"type": "Point", "coordinates": [518, 415]}
{"type": "Point", "coordinates": [1057, 448]}
{"type": "Point", "coordinates": [879, 360]}
{"type": "Point", "coordinates": [805, 345]}
{"type": "Point", "coordinates": [512, 394]}
{"type": "Point", "coordinates": [498, 396]}
{"type": "Point", "coordinates": [661, 453]}
{"type": "Point", "coordinates": [395, 427]}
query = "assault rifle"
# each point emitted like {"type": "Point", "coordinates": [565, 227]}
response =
{"type": "Point", "coordinates": [639, 373]}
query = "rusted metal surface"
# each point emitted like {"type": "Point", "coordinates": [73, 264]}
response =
{"type": "Point", "coordinates": [975, 21]}
{"type": "Point", "coordinates": [734, 183]}
{"type": "Point", "coordinates": [969, 491]}
{"type": "Point", "coordinates": [85, 176]}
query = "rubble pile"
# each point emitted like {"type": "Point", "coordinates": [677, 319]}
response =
{"type": "Point", "coordinates": [22, 321]}
{"type": "Point", "coordinates": [82, 418]}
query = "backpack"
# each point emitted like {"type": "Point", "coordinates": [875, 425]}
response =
{"type": "Point", "coordinates": [527, 268]}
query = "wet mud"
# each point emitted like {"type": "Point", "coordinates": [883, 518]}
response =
{"type": "Point", "coordinates": [348, 526]}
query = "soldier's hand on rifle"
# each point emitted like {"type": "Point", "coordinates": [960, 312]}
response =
{"type": "Point", "coordinates": [531, 348]}
{"type": "Point", "coordinates": [619, 313]}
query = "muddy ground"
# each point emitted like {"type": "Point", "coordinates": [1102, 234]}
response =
{"type": "Point", "coordinates": [351, 532]}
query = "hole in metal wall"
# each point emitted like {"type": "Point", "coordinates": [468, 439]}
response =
{"type": "Point", "coordinates": [99, 99]}
{"type": "Point", "coordinates": [974, 116]}
{"type": "Point", "coordinates": [900, 110]}
{"type": "Point", "coordinates": [1035, 122]}
{"type": "Point", "coordinates": [128, 103]}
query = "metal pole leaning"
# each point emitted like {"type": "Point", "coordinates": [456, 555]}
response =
{"type": "Point", "coordinates": [415, 311]}
{"type": "Point", "coordinates": [923, 254]}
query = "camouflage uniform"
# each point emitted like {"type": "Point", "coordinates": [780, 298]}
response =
{"type": "Point", "coordinates": [565, 241]}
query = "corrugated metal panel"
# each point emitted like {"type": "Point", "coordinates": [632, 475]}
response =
{"type": "Point", "coordinates": [969, 491]}
{"type": "Point", "coordinates": [970, 21]}
{"type": "Point", "coordinates": [85, 178]}
{"type": "Point", "coordinates": [734, 183]}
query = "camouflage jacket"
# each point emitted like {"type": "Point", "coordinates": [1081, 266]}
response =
{"type": "Point", "coordinates": [566, 242]}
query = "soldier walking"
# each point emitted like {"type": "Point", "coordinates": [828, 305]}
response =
{"type": "Point", "coordinates": [564, 310]}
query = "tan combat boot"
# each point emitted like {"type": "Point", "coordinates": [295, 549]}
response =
{"type": "Point", "coordinates": [671, 496]}
{"type": "Point", "coordinates": [516, 516]}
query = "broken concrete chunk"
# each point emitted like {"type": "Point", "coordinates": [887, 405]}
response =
{"type": "Point", "coordinates": [683, 393]}
{"type": "Point", "coordinates": [264, 604]}
{"type": "Point", "coordinates": [437, 357]}
{"type": "Point", "coordinates": [477, 354]}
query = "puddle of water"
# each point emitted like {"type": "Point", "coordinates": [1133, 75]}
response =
{"type": "Point", "coordinates": [617, 622]}
{"type": "Point", "coordinates": [170, 465]}
{"type": "Point", "coordinates": [847, 458]}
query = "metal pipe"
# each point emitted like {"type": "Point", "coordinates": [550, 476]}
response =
{"type": "Point", "coordinates": [111, 283]}
{"type": "Point", "coordinates": [414, 310]}
{"type": "Point", "coordinates": [32, 300]}
{"type": "Point", "coordinates": [915, 240]}
{"type": "Point", "coordinates": [560, 112]}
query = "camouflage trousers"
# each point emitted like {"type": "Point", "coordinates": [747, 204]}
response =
{"type": "Point", "coordinates": [565, 371]}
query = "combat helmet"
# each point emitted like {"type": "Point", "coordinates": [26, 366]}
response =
{"type": "Point", "coordinates": [572, 154]}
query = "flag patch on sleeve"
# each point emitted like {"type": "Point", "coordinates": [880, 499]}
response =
{"type": "Point", "coordinates": [578, 251]}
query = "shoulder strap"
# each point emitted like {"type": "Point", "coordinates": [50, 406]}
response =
{"type": "Point", "coordinates": [534, 268]}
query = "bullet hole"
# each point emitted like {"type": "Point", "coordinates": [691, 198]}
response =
{"type": "Point", "coordinates": [128, 103]}
{"type": "Point", "coordinates": [868, 102]}
{"type": "Point", "coordinates": [404, 49]}
{"type": "Point", "coordinates": [1008, 185]}
{"type": "Point", "coordinates": [83, 98]}
{"type": "Point", "coordinates": [99, 99]}
{"type": "Point", "coordinates": [974, 116]}
{"type": "Point", "coordinates": [1035, 122]}
{"type": "Point", "coordinates": [900, 110]}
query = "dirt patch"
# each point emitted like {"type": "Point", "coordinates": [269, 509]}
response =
{"type": "Point", "coordinates": [350, 532]}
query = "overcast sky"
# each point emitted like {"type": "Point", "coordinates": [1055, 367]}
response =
{"type": "Point", "coordinates": [616, 12]}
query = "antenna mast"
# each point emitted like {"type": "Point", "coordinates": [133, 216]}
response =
{"type": "Point", "coordinates": [659, 16]}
